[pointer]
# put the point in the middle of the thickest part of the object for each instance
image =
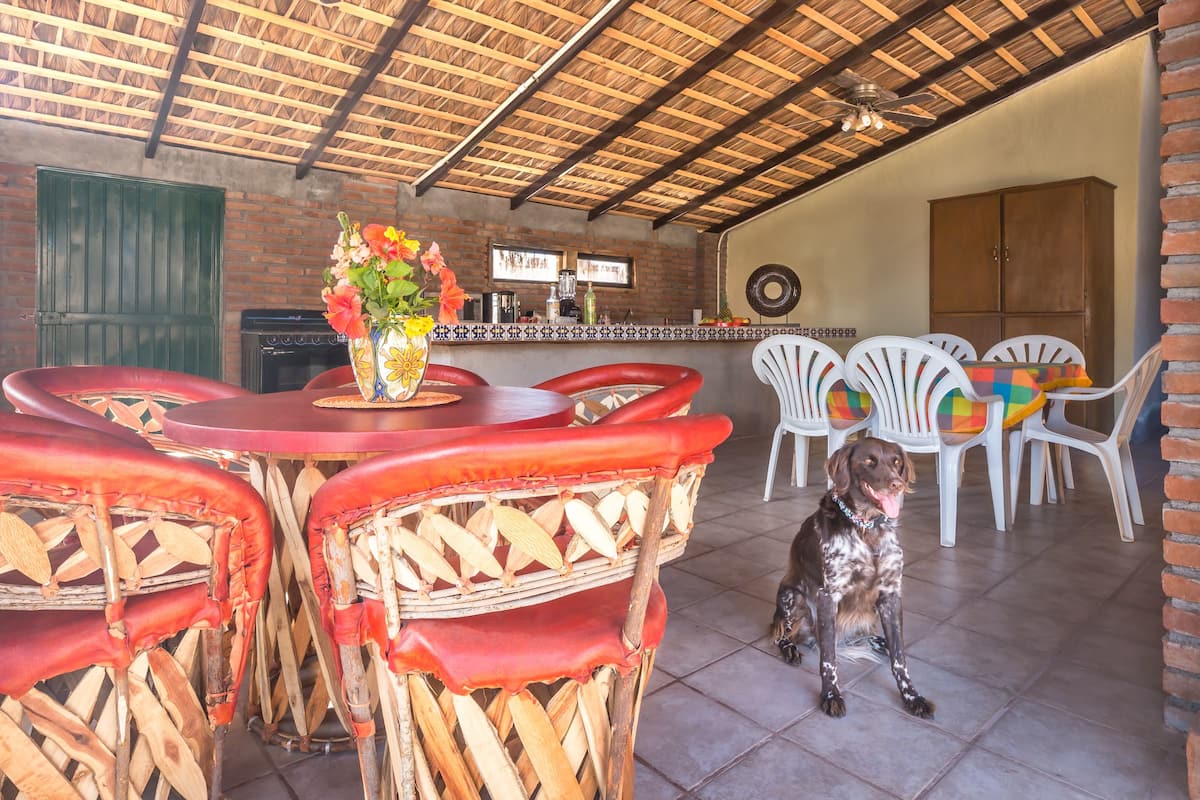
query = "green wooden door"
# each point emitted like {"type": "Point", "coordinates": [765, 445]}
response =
{"type": "Point", "coordinates": [129, 272]}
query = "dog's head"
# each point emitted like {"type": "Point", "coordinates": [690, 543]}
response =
{"type": "Point", "coordinates": [873, 474]}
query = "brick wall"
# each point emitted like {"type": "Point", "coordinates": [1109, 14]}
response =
{"type": "Point", "coordinates": [276, 249]}
{"type": "Point", "coordinates": [1179, 57]}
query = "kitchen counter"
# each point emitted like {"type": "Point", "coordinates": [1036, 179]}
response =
{"type": "Point", "coordinates": [522, 354]}
{"type": "Point", "coordinates": [489, 332]}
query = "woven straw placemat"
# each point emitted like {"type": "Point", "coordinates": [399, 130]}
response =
{"type": "Point", "coordinates": [422, 400]}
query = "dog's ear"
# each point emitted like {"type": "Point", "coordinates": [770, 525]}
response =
{"type": "Point", "coordinates": [909, 471]}
{"type": "Point", "coordinates": [838, 469]}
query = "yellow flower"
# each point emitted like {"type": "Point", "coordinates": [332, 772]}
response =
{"type": "Point", "coordinates": [417, 326]}
{"type": "Point", "coordinates": [405, 365]}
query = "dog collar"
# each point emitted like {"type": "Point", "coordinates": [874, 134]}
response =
{"type": "Point", "coordinates": [855, 519]}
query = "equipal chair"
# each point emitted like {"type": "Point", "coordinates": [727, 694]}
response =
{"type": "Point", "coordinates": [630, 392]}
{"type": "Point", "coordinates": [906, 379]}
{"type": "Point", "coordinates": [960, 348]}
{"type": "Point", "coordinates": [1035, 349]}
{"type": "Point", "coordinates": [1112, 448]}
{"type": "Point", "coordinates": [126, 402]}
{"type": "Point", "coordinates": [510, 652]}
{"type": "Point", "coordinates": [801, 371]}
{"type": "Point", "coordinates": [129, 585]}
{"type": "Point", "coordinates": [435, 374]}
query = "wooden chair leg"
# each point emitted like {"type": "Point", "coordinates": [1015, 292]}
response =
{"type": "Point", "coordinates": [216, 687]}
{"type": "Point", "coordinates": [121, 773]}
{"type": "Point", "coordinates": [358, 699]}
{"type": "Point", "coordinates": [620, 751]}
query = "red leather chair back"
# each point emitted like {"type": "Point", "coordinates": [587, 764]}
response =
{"type": "Point", "coordinates": [627, 392]}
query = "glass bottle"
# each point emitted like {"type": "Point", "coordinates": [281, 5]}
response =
{"type": "Point", "coordinates": [552, 304]}
{"type": "Point", "coordinates": [589, 306]}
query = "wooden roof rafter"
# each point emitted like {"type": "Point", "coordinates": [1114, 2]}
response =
{"type": "Point", "coordinates": [1132, 28]}
{"type": "Point", "coordinates": [848, 58]}
{"type": "Point", "coordinates": [1042, 15]}
{"type": "Point", "coordinates": [379, 59]}
{"type": "Point", "coordinates": [186, 38]}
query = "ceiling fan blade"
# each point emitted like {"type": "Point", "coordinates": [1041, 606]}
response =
{"type": "Point", "coordinates": [913, 99]}
{"type": "Point", "coordinates": [911, 120]}
{"type": "Point", "coordinates": [848, 79]}
{"type": "Point", "coordinates": [840, 104]}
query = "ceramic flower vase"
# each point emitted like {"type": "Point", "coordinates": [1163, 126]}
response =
{"type": "Point", "coordinates": [388, 364]}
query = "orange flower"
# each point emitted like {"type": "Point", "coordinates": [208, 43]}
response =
{"type": "Point", "coordinates": [375, 236]}
{"type": "Point", "coordinates": [432, 261]}
{"type": "Point", "coordinates": [451, 300]}
{"type": "Point", "coordinates": [344, 310]}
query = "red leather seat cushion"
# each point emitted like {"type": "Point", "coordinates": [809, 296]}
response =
{"type": "Point", "coordinates": [36, 645]}
{"type": "Point", "coordinates": [567, 637]}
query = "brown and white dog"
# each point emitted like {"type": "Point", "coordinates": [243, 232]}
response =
{"type": "Point", "coordinates": [846, 566]}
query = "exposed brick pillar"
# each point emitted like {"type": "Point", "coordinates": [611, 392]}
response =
{"type": "Point", "coordinates": [1179, 58]}
{"type": "Point", "coordinates": [18, 267]}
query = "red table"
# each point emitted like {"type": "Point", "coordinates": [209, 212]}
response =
{"type": "Point", "coordinates": [293, 447]}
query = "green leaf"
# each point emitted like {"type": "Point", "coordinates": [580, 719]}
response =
{"type": "Point", "coordinates": [399, 269]}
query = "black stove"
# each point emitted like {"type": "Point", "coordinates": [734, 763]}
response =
{"type": "Point", "coordinates": [284, 348]}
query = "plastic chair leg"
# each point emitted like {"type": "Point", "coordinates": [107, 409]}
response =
{"type": "Point", "coordinates": [995, 460]}
{"type": "Point", "coordinates": [1131, 487]}
{"type": "Point", "coordinates": [948, 495]}
{"type": "Point", "coordinates": [1016, 453]}
{"type": "Point", "coordinates": [775, 442]}
{"type": "Point", "coordinates": [1037, 472]}
{"type": "Point", "coordinates": [800, 460]}
{"type": "Point", "coordinates": [1116, 483]}
{"type": "Point", "coordinates": [1068, 477]}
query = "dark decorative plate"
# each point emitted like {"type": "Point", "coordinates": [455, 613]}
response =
{"type": "Point", "coordinates": [762, 279]}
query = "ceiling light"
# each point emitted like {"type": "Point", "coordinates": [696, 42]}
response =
{"type": "Point", "coordinates": [847, 122]}
{"type": "Point", "coordinates": [879, 123]}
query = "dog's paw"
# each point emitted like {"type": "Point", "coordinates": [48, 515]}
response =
{"type": "Point", "coordinates": [833, 704]}
{"type": "Point", "coordinates": [919, 707]}
{"type": "Point", "coordinates": [790, 652]}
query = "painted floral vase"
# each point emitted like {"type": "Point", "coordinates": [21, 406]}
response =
{"type": "Point", "coordinates": [388, 364]}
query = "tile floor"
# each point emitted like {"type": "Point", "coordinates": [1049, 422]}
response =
{"type": "Point", "coordinates": [1040, 647]}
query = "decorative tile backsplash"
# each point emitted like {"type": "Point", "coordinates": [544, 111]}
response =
{"type": "Point", "coordinates": [485, 332]}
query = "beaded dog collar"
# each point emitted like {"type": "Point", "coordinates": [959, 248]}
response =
{"type": "Point", "coordinates": [855, 519]}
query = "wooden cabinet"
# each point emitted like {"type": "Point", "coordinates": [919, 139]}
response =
{"type": "Point", "coordinates": [1026, 259]}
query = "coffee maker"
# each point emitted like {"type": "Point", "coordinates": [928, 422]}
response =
{"type": "Point", "coordinates": [566, 294]}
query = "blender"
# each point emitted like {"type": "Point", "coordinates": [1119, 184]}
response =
{"type": "Point", "coordinates": [566, 294]}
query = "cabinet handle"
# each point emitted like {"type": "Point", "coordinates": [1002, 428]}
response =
{"type": "Point", "coordinates": [1006, 253]}
{"type": "Point", "coordinates": [996, 254]}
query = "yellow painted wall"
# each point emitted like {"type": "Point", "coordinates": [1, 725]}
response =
{"type": "Point", "coordinates": [861, 244]}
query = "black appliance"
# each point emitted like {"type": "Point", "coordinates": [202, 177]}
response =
{"type": "Point", "coordinates": [284, 348]}
{"type": "Point", "coordinates": [499, 306]}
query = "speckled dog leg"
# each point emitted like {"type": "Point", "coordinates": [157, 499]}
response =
{"type": "Point", "coordinates": [889, 618]}
{"type": "Point", "coordinates": [831, 696]}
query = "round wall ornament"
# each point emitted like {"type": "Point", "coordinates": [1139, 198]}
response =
{"type": "Point", "coordinates": [773, 290]}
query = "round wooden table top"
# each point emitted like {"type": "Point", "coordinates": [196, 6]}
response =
{"type": "Point", "coordinates": [288, 422]}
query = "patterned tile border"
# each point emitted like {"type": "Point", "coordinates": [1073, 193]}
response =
{"type": "Point", "coordinates": [488, 332]}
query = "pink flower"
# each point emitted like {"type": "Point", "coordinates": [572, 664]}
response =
{"type": "Point", "coordinates": [451, 299]}
{"type": "Point", "coordinates": [432, 261]}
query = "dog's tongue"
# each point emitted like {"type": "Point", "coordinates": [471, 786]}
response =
{"type": "Point", "coordinates": [889, 503]}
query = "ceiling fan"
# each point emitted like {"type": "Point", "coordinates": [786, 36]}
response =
{"type": "Point", "coordinates": [868, 104]}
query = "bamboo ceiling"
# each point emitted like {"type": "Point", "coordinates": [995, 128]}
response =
{"type": "Point", "coordinates": [705, 112]}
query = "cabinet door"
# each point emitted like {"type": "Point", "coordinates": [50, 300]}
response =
{"type": "Point", "coordinates": [964, 241]}
{"type": "Point", "coordinates": [1043, 249]}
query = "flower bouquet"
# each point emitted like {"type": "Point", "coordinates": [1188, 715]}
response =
{"type": "Point", "coordinates": [375, 294]}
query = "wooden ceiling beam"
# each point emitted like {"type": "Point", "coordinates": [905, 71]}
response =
{"type": "Point", "coordinates": [585, 36]}
{"type": "Point", "coordinates": [1046, 70]}
{"type": "Point", "coordinates": [743, 38]}
{"type": "Point", "coordinates": [379, 59]}
{"type": "Point", "coordinates": [1040, 17]}
{"type": "Point", "coordinates": [180, 60]}
{"type": "Point", "coordinates": [847, 59]}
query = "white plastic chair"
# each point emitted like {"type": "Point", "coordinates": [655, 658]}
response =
{"type": "Point", "coordinates": [960, 348]}
{"type": "Point", "coordinates": [1036, 349]}
{"type": "Point", "coordinates": [801, 371]}
{"type": "Point", "coordinates": [906, 379]}
{"type": "Point", "coordinates": [1111, 448]}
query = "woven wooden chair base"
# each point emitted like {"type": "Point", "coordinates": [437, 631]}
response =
{"type": "Point", "coordinates": [549, 740]}
{"type": "Point", "coordinates": [60, 738]}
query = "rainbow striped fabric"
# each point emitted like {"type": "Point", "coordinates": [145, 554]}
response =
{"type": "Point", "coordinates": [1021, 386]}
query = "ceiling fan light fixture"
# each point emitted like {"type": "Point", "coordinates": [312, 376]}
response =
{"type": "Point", "coordinates": [866, 119]}
{"type": "Point", "coordinates": [847, 123]}
{"type": "Point", "coordinates": [879, 123]}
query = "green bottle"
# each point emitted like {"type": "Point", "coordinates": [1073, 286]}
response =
{"type": "Point", "coordinates": [589, 306]}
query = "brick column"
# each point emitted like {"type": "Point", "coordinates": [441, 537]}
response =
{"type": "Point", "coordinates": [1179, 58]}
{"type": "Point", "coordinates": [18, 268]}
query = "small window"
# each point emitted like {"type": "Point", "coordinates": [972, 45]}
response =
{"type": "Point", "coordinates": [525, 264]}
{"type": "Point", "coordinates": [605, 270]}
